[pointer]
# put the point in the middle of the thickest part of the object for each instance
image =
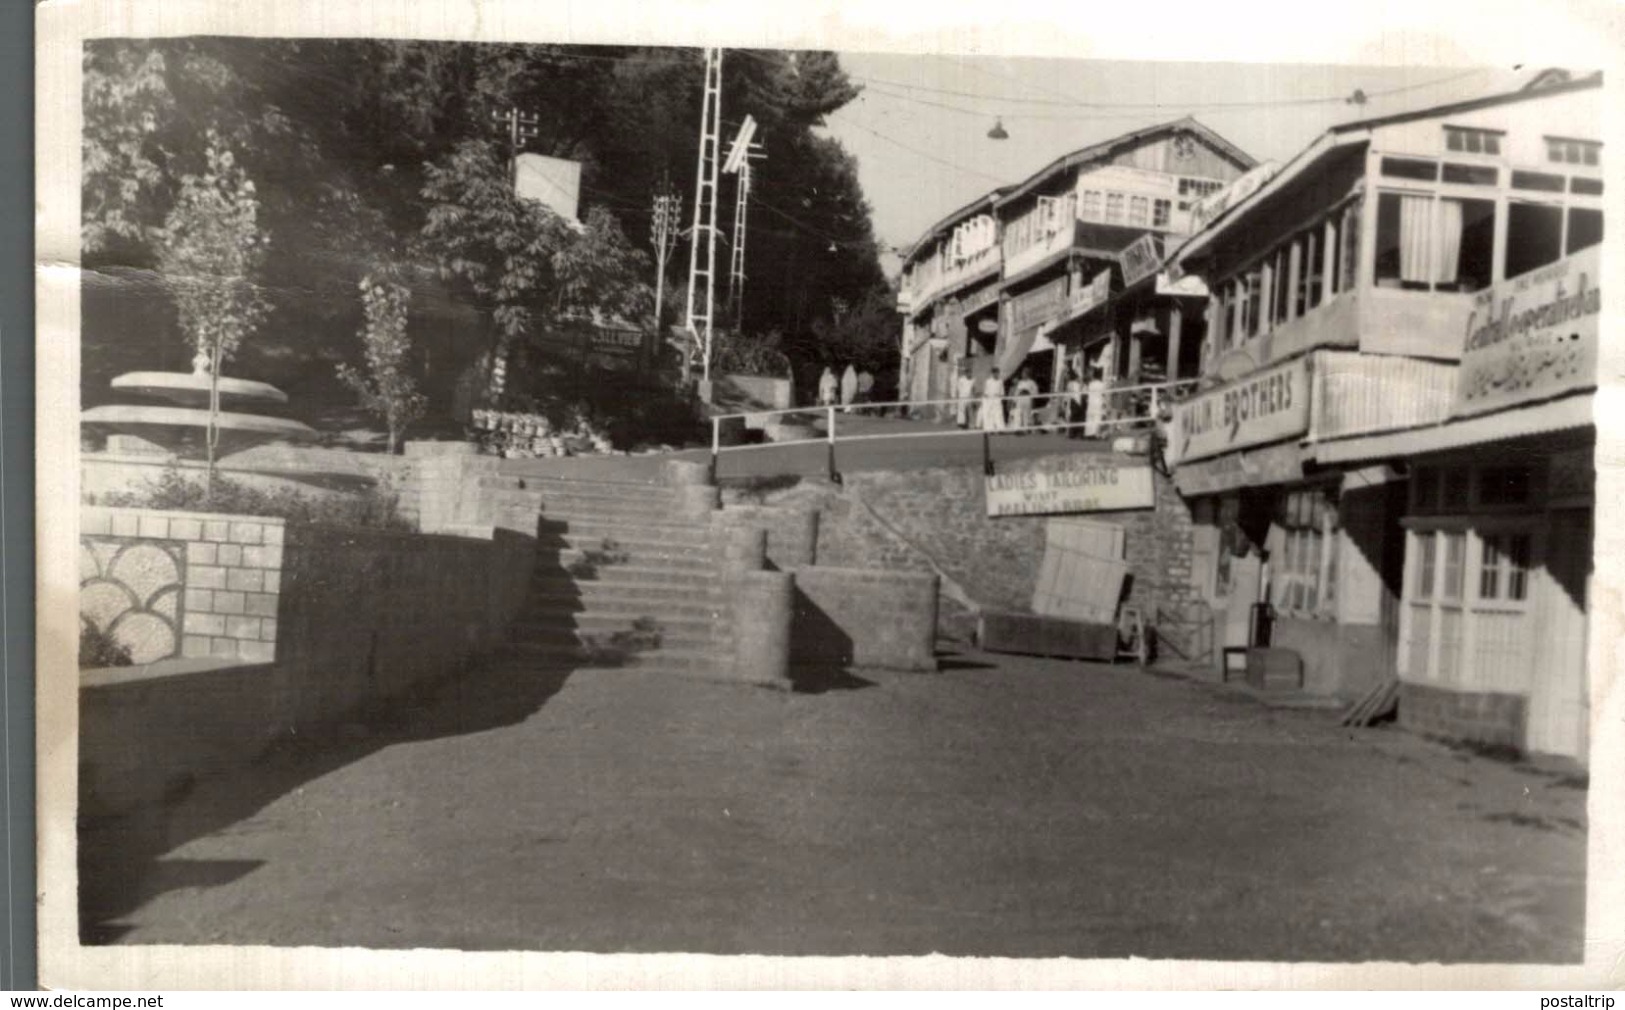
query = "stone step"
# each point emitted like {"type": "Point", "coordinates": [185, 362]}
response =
{"type": "Point", "coordinates": [676, 660]}
{"type": "Point", "coordinates": [637, 552]}
{"type": "Point", "coordinates": [589, 531]}
{"type": "Point", "coordinates": [553, 593]}
{"type": "Point", "coordinates": [676, 606]}
{"type": "Point", "coordinates": [619, 574]}
{"type": "Point", "coordinates": [606, 638]}
{"type": "Point", "coordinates": [597, 621]}
{"type": "Point", "coordinates": [626, 511]}
{"type": "Point", "coordinates": [701, 560]}
{"type": "Point", "coordinates": [563, 486]}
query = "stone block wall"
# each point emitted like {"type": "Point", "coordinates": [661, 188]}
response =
{"type": "Point", "coordinates": [935, 520]}
{"type": "Point", "coordinates": [792, 533]}
{"type": "Point", "coordinates": [442, 489]}
{"type": "Point", "coordinates": [864, 618]}
{"type": "Point", "coordinates": [191, 584]}
{"type": "Point", "coordinates": [1481, 717]}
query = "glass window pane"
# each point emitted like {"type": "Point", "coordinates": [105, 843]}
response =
{"type": "Point", "coordinates": [1489, 573]}
{"type": "Point", "coordinates": [1518, 566]}
{"type": "Point", "coordinates": [1452, 139]}
{"type": "Point", "coordinates": [1585, 228]}
{"type": "Point", "coordinates": [1455, 556]}
{"type": "Point", "coordinates": [1492, 144]}
{"type": "Point", "coordinates": [1388, 252]}
{"type": "Point", "coordinates": [1425, 543]}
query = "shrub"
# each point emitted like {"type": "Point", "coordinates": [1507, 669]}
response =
{"type": "Point", "coordinates": [97, 648]}
{"type": "Point", "coordinates": [375, 507]}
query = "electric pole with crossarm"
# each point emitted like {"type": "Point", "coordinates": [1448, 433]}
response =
{"type": "Point", "coordinates": [520, 127]}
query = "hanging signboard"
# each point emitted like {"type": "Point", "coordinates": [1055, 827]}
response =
{"type": "Point", "coordinates": [1087, 296]}
{"type": "Point", "coordinates": [980, 300]}
{"type": "Point", "coordinates": [1532, 338]}
{"type": "Point", "coordinates": [605, 346]}
{"type": "Point", "coordinates": [1214, 204]}
{"type": "Point", "coordinates": [1266, 406]}
{"type": "Point", "coordinates": [1039, 305]}
{"type": "Point", "coordinates": [1072, 484]}
{"type": "Point", "coordinates": [1142, 258]}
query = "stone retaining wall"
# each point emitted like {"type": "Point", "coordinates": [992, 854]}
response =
{"type": "Point", "coordinates": [854, 617]}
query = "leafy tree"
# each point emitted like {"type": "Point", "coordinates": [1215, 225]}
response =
{"type": "Point", "coordinates": [386, 388]}
{"type": "Point", "coordinates": [212, 247]}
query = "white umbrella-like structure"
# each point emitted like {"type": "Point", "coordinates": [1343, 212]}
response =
{"type": "Point", "coordinates": [181, 424]}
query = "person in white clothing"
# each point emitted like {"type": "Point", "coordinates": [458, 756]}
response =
{"type": "Point", "coordinates": [965, 393]}
{"type": "Point", "coordinates": [1073, 403]}
{"type": "Point", "coordinates": [993, 402]}
{"type": "Point", "coordinates": [849, 386]}
{"type": "Point", "coordinates": [826, 388]}
{"type": "Point", "coordinates": [1025, 390]}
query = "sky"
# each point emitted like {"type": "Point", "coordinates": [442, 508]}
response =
{"type": "Point", "coordinates": [919, 129]}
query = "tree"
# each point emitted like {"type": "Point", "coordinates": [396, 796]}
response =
{"type": "Point", "coordinates": [212, 247]}
{"type": "Point", "coordinates": [386, 388]}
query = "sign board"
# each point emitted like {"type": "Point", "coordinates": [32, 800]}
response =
{"type": "Point", "coordinates": [1276, 464]}
{"type": "Point", "coordinates": [1038, 305]}
{"type": "Point", "coordinates": [980, 300]}
{"type": "Point", "coordinates": [1087, 296]}
{"type": "Point", "coordinates": [1211, 206]}
{"type": "Point", "coordinates": [555, 182]}
{"type": "Point", "coordinates": [1141, 258]}
{"type": "Point", "coordinates": [1266, 406]}
{"type": "Point", "coordinates": [604, 346]}
{"type": "Point", "coordinates": [1532, 338]}
{"type": "Point", "coordinates": [1072, 484]}
{"type": "Point", "coordinates": [1181, 285]}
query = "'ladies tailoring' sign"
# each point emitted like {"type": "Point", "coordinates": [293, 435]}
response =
{"type": "Point", "coordinates": [1532, 338]}
{"type": "Point", "coordinates": [1266, 406]}
{"type": "Point", "coordinates": [1071, 484]}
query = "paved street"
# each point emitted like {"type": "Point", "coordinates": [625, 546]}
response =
{"type": "Point", "coordinates": [1004, 807]}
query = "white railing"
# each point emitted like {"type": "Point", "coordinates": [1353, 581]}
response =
{"type": "Point", "coordinates": [1123, 408]}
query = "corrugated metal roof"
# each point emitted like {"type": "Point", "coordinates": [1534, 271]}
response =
{"type": "Point", "coordinates": [1554, 415]}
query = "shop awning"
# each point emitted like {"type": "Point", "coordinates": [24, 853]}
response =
{"type": "Point", "coordinates": [1016, 351]}
{"type": "Point", "coordinates": [1273, 464]}
{"type": "Point", "coordinates": [1554, 415]}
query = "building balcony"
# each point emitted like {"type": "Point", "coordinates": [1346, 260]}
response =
{"type": "Point", "coordinates": [1373, 320]}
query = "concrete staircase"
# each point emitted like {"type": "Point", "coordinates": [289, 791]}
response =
{"type": "Point", "coordinates": [622, 578]}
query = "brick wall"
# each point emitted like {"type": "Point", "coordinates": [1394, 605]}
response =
{"type": "Point", "coordinates": [188, 584]}
{"type": "Point", "coordinates": [864, 618]}
{"type": "Point", "coordinates": [935, 520]}
{"type": "Point", "coordinates": [1481, 717]}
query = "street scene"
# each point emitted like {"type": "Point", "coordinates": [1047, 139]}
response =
{"type": "Point", "coordinates": [751, 501]}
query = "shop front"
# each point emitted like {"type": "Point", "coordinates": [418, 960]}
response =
{"type": "Point", "coordinates": [1499, 529]}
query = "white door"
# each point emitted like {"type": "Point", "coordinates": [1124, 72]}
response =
{"type": "Point", "coordinates": [1559, 705]}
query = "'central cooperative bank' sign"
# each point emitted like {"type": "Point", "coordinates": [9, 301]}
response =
{"type": "Point", "coordinates": [1266, 406]}
{"type": "Point", "coordinates": [1532, 338]}
{"type": "Point", "coordinates": [1068, 484]}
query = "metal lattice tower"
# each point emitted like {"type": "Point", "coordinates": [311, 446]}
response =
{"type": "Point", "coordinates": [740, 155]}
{"type": "Point", "coordinates": [702, 256]}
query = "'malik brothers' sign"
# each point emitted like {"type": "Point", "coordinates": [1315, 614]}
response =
{"type": "Point", "coordinates": [1266, 406]}
{"type": "Point", "coordinates": [1532, 338]}
{"type": "Point", "coordinates": [1072, 484]}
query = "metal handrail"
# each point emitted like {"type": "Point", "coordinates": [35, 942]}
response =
{"type": "Point", "coordinates": [1159, 392]}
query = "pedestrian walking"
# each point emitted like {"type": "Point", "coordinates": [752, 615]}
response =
{"type": "Point", "coordinates": [1025, 390]}
{"type": "Point", "coordinates": [993, 402]}
{"type": "Point", "coordinates": [849, 387]}
{"type": "Point", "coordinates": [965, 396]}
{"type": "Point", "coordinates": [826, 388]}
{"type": "Point", "coordinates": [1095, 411]}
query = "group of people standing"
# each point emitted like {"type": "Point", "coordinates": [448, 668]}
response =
{"type": "Point", "coordinates": [986, 408]}
{"type": "Point", "coordinates": [854, 387]}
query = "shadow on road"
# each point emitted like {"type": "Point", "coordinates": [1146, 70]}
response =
{"type": "Point", "coordinates": [120, 857]}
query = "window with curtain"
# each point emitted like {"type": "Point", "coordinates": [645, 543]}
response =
{"type": "Point", "coordinates": [1426, 242]}
{"type": "Point", "coordinates": [1307, 571]}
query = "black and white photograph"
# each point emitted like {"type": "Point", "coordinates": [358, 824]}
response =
{"type": "Point", "coordinates": [657, 495]}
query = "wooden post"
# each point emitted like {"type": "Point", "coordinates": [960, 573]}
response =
{"type": "Point", "coordinates": [1176, 322]}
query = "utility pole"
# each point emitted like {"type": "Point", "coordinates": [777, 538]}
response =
{"type": "Point", "coordinates": [663, 231]}
{"type": "Point", "coordinates": [702, 255]}
{"type": "Point", "coordinates": [740, 155]}
{"type": "Point", "coordinates": [520, 127]}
